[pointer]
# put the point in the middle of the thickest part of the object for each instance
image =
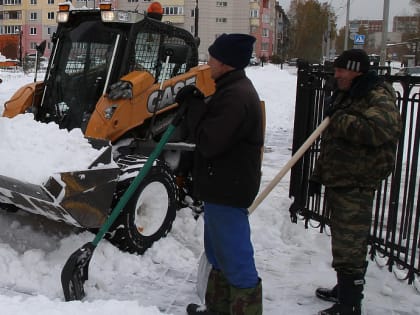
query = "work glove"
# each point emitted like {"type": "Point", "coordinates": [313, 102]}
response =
{"type": "Point", "coordinates": [187, 92]}
{"type": "Point", "coordinates": [314, 188]}
{"type": "Point", "coordinates": [120, 89]}
{"type": "Point", "coordinates": [329, 111]}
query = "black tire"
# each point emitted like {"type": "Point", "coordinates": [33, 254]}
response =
{"type": "Point", "coordinates": [149, 214]}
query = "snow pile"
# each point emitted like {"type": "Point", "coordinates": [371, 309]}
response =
{"type": "Point", "coordinates": [32, 151]}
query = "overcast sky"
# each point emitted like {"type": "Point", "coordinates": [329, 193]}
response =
{"type": "Point", "coordinates": [365, 9]}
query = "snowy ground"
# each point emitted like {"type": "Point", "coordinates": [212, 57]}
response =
{"type": "Point", "coordinates": [291, 261]}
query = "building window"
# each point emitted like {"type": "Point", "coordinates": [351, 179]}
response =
{"type": "Point", "coordinates": [51, 15]}
{"type": "Point", "coordinates": [266, 18]}
{"type": "Point", "coordinates": [173, 11]}
{"type": "Point", "coordinates": [133, 1]}
{"type": "Point", "coordinates": [10, 29]}
{"type": "Point", "coordinates": [221, 3]}
{"type": "Point", "coordinates": [32, 31]}
{"type": "Point", "coordinates": [33, 2]}
{"type": "Point", "coordinates": [266, 4]}
{"type": "Point", "coordinates": [33, 45]}
{"type": "Point", "coordinates": [14, 15]}
{"type": "Point", "coordinates": [221, 20]}
{"type": "Point", "coordinates": [265, 32]}
{"type": "Point", "coordinates": [34, 16]}
{"type": "Point", "coordinates": [12, 2]}
{"type": "Point", "coordinates": [264, 46]}
{"type": "Point", "coordinates": [253, 14]}
{"type": "Point", "coordinates": [193, 13]}
{"type": "Point", "coordinates": [50, 1]}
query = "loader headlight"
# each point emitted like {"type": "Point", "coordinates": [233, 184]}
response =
{"type": "Point", "coordinates": [109, 112]}
{"type": "Point", "coordinates": [121, 16]}
{"type": "Point", "coordinates": [62, 17]}
{"type": "Point", "coordinates": [108, 16]}
{"type": "Point", "coordinates": [63, 13]}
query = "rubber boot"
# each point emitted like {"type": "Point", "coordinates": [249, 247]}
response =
{"type": "Point", "coordinates": [217, 296]}
{"type": "Point", "coordinates": [330, 295]}
{"type": "Point", "coordinates": [246, 301]}
{"type": "Point", "coordinates": [350, 288]}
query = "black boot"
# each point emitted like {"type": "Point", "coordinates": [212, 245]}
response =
{"type": "Point", "coordinates": [330, 295]}
{"type": "Point", "coordinates": [195, 309]}
{"type": "Point", "coordinates": [341, 309]}
{"type": "Point", "coordinates": [350, 288]}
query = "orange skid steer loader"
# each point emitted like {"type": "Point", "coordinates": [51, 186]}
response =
{"type": "Point", "coordinates": [113, 74]}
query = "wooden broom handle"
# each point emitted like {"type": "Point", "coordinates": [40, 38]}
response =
{"type": "Point", "coordinates": [295, 157]}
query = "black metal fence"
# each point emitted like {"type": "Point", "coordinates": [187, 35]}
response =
{"type": "Point", "coordinates": [394, 238]}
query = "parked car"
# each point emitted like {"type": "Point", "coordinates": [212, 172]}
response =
{"type": "Point", "coordinates": [374, 60]}
{"type": "Point", "coordinates": [413, 71]}
{"type": "Point", "coordinates": [292, 62]}
{"type": "Point", "coordinates": [254, 61]}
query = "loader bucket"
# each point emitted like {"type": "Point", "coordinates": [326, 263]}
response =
{"type": "Point", "coordinates": [82, 198]}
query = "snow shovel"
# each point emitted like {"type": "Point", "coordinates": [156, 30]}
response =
{"type": "Point", "coordinates": [75, 270]}
{"type": "Point", "coordinates": [204, 266]}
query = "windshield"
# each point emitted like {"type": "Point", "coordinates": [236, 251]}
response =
{"type": "Point", "coordinates": [78, 73]}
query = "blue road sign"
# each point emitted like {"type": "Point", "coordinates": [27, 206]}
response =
{"type": "Point", "coordinates": [359, 39]}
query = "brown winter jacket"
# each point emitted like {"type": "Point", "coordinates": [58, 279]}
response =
{"type": "Point", "coordinates": [228, 132]}
{"type": "Point", "coordinates": [358, 148]}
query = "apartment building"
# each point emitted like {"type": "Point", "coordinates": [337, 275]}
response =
{"type": "Point", "coordinates": [373, 29]}
{"type": "Point", "coordinates": [406, 24]}
{"type": "Point", "coordinates": [33, 21]}
{"type": "Point", "coordinates": [255, 17]}
{"type": "Point", "coordinates": [367, 26]}
{"type": "Point", "coordinates": [282, 32]}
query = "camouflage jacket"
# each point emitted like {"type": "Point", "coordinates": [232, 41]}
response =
{"type": "Point", "coordinates": [358, 148]}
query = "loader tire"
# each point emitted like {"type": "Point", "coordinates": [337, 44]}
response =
{"type": "Point", "coordinates": [149, 214]}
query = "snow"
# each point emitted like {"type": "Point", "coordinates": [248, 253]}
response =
{"type": "Point", "coordinates": [25, 140]}
{"type": "Point", "coordinates": [292, 261]}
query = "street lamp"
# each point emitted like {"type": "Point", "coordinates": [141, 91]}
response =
{"type": "Point", "coordinates": [196, 19]}
{"type": "Point", "coordinates": [20, 44]}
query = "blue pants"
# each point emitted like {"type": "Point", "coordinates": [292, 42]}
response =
{"type": "Point", "coordinates": [227, 242]}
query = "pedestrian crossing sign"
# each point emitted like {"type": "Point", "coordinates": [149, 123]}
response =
{"type": "Point", "coordinates": [359, 39]}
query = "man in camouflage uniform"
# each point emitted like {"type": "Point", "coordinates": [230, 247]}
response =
{"type": "Point", "coordinates": [357, 153]}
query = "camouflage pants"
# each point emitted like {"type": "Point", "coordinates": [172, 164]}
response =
{"type": "Point", "coordinates": [351, 215]}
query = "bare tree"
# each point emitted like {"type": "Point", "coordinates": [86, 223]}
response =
{"type": "Point", "coordinates": [309, 25]}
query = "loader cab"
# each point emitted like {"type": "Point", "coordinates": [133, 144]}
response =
{"type": "Point", "coordinates": [149, 42]}
{"type": "Point", "coordinates": [93, 49]}
{"type": "Point", "coordinates": [78, 69]}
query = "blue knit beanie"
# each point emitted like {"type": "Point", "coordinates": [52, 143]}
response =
{"type": "Point", "coordinates": [233, 49]}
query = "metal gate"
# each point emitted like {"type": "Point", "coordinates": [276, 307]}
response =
{"type": "Point", "coordinates": [394, 237]}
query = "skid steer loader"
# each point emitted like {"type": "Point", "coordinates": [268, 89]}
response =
{"type": "Point", "coordinates": [115, 75]}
